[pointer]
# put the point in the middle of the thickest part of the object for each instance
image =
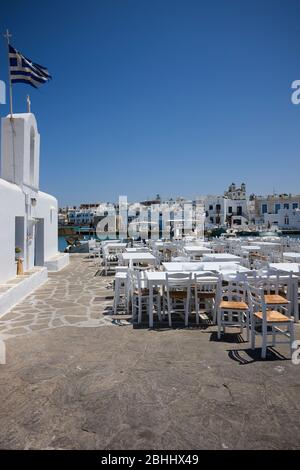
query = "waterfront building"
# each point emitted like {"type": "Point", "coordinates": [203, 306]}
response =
{"type": "Point", "coordinates": [228, 210]}
{"type": "Point", "coordinates": [273, 203]}
{"type": "Point", "coordinates": [81, 216]}
{"type": "Point", "coordinates": [280, 210]}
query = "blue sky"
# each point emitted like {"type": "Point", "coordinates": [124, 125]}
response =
{"type": "Point", "coordinates": [177, 97]}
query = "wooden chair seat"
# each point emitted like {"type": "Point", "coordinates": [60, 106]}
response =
{"type": "Point", "coordinates": [233, 305]}
{"type": "Point", "coordinates": [273, 316]}
{"type": "Point", "coordinates": [178, 294]}
{"type": "Point", "coordinates": [145, 291]}
{"type": "Point", "coordinates": [206, 295]}
{"type": "Point", "coordinates": [273, 299]}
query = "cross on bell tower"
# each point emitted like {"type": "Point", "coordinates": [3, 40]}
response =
{"type": "Point", "coordinates": [28, 104]}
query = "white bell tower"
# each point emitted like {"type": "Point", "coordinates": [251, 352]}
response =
{"type": "Point", "coordinates": [20, 150]}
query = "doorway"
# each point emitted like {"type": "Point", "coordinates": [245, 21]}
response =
{"type": "Point", "coordinates": [39, 246]}
{"type": "Point", "coordinates": [19, 235]}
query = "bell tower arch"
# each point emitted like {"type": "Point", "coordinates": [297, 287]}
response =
{"type": "Point", "coordinates": [20, 145]}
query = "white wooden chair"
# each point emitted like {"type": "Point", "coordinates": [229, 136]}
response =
{"type": "Point", "coordinates": [206, 293]}
{"type": "Point", "coordinates": [139, 292]}
{"type": "Point", "coordinates": [277, 290]}
{"type": "Point", "coordinates": [266, 322]}
{"type": "Point", "coordinates": [177, 295]}
{"type": "Point", "coordinates": [121, 290]}
{"type": "Point", "coordinates": [233, 311]}
{"type": "Point", "coordinates": [110, 261]}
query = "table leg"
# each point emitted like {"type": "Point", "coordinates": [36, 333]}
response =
{"type": "Point", "coordinates": [295, 297]}
{"type": "Point", "coordinates": [150, 304]}
{"type": "Point", "coordinates": [116, 297]}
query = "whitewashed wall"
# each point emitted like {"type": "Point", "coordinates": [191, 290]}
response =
{"type": "Point", "coordinates": [47, 209]}
{"type": "Point", "coordinates": [12, 204]}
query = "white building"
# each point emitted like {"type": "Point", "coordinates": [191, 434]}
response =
{"type": "Point", "coordinates": [272, 204]}
{"type": "Point", "coordinates": [28, 216]}
{"type": "Point", "coordinates": [215, 210]}
{"type": "Point", "coordinates": [81, 216]}
{"type": "Point", "coordinates": [284, 219]}
{"type": "Point", "coordinates": [227, 210]}
{"type": "Point", "coordinates": [236, 193]}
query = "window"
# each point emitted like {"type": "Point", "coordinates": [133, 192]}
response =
{"type": "Point", "coordinates": [237, 222]}
{"type": "Point", "coordinates": [212, 220]}
{"type": "Point", "coordinates": [277, 208]}
{"type": "Point", "coordinates": [239, 210]}
{"type": "Point", "coordinates": [210, 207]}
{"type": "Point", "coordinates": [286, 206]}
{"type": "Point", "coordinates": [295, 205]}
{"type": "Point", "coordinates": [264, 208]}
{"type": "Point", "coordinates": [229, 210]}
{"type": "Point", "coordinates": [286, 221]}
{"type": "Point", "coordinates": [218, 207]}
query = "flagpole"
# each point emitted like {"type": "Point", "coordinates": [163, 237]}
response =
{"type": "Point", "coordinates": [7, 35]}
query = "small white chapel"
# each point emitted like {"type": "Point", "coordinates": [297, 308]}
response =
{"type": "Point", "coordinates": [28, 216]}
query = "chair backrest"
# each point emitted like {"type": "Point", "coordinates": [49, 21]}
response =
{"type": "Point", "coordinates": [275, 283]}
{"type": "Point", "coordinates": [235, 290]}
{"type": "Point", "coordinates": [137, 280]}
{"type": "Point", "coordinates": [207, 286]}
{"type": "Point", "coordinates": [114, 249]}
{"type": "Point", "coordinates": [109, 256]}
{"type": "Point", "coordinates": [256, 301]}
{"type": "Point", "coordinates": [178, 280]}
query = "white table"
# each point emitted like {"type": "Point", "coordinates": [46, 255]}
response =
{"type": "Point", "coordinates": [158, 278]}
{"type": "Point", "coordinates": [196, 249]}
{"type": "Point", "coordinates": [105, 242]}
{"type": "Point", "coordinates": [136, 250]}
{"type": "Point", "coordinates": [268, 244]}
{"type": "Point", "coordinates": [222, 257]}
{"type": "Point", "coordinates": [132, 258]}
{"type": "Point", "coordinates": [194, 266]}
{"type": "Point", "coordinates": [250, 247]}
{"type": "Point", "coordinates": [115, 246]}
{"type": "Point", "coordinates": [286, 267]}
{"type": "Point", "coordinates": [290, 255]}
{"type": "Point", "coordinates": [226, 269]}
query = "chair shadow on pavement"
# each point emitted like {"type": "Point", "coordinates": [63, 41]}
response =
{"type": "Point", "coordinates": [227, 338]}
{"type": "Point", "coordinates": [248, 356]}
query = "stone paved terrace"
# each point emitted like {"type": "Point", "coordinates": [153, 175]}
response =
{"type": "Point", "coordinates": [78, 378]}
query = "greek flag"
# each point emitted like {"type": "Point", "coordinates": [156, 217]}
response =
{"type": "Point", "coordinates": [23, 70]}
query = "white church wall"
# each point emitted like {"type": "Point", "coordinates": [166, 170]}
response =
{"type": "Point", "coordinates": [47, 209]}
{"type": "Point", "coordinates": [36, 226]}
{"type": "Point", "coordinates": [12, 204]}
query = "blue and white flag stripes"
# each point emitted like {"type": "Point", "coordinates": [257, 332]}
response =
{"type": "Point", "coordinates": [23, 70]}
